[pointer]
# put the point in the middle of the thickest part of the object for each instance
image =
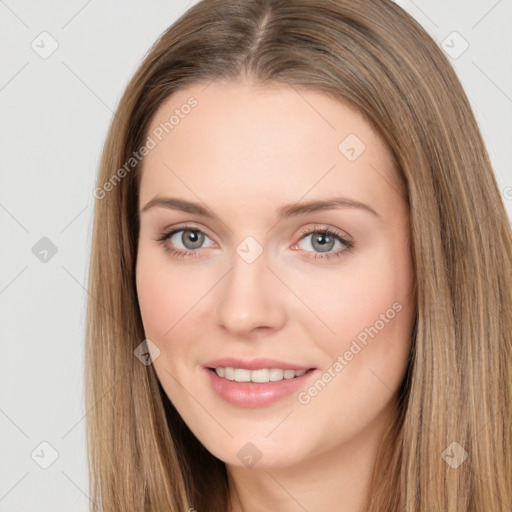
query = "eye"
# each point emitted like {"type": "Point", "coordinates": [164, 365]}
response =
{"type": "Point", "coordinates": [189, 237]}
{"type": "Point", "coordinates": [323, 241]}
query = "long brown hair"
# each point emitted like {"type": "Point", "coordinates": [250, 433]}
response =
{"type": "Point", "coordinates": [458, 384]}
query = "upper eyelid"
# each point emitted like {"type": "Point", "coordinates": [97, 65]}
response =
{"type": "Point", "coordinates": [336, 231]}
{"type": "Point", "coordinates": [174, 230]}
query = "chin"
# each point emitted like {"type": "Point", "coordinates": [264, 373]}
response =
{"type": "Point", "coordinates": [257, 452]}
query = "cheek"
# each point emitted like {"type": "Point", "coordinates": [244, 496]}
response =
{"type": "Point", "coordinates": [371, 314]}
{"type": "Point", "coordinates": [160, 304]}
{"type": "Point", "coordinates": [374, 290]}
{"type": "Point", "coordinates": [167, 291]}
{"type": "Point", "coordinates": [153, 302]}
{"type": "Point", "coordinates": [369, 310]}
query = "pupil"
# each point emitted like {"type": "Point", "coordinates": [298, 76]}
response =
{"type": "Point", "coordinates": [192, 239]}
{"type": "Point", "coordinates": [324, 241]}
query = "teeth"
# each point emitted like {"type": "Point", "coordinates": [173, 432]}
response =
{"type": "Point", "coordinates": [261, 376]}
{"type": "Point", "coordinates": [242, 375]}
{"type": "Point", "coordinates": [289, 374]}
{"type": "Point", "coordinates": [276, 374]}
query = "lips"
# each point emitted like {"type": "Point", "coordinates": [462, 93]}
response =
{"type": "Point", "coordinates": [254, 364]}
{"type": "Point", "coordinates": [255, 394]}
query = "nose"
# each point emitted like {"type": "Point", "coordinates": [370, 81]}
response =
{"type": "Point", "coordinates": [251, 299]}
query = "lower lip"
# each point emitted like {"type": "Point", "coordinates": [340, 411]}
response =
{"type": "Point", "coordinates": [255, 394]}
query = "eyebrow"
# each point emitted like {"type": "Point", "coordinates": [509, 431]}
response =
{"type": "Point", "coordinates": [285, 211]}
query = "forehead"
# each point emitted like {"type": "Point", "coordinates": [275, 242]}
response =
{"type": "Point", "coordinates": [262, 140]}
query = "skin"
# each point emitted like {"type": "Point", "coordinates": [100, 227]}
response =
{"type": "Point", "coordinates": [244, 151]}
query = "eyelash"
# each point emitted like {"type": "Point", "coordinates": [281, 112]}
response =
{"type": "Point", "coordinates": [318, 256]}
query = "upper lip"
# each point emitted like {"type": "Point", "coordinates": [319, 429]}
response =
{"type": "Point", "coordinates": [254, 364]}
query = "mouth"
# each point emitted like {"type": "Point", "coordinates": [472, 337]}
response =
{"type": "Point", "coordinates": [257, 383]}
{"type": "Point", "coordinates": [260, 376]}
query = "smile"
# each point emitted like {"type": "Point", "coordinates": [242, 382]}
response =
{"type": "Point", "coordinates": [261, 375]}
{"type": "Point", "coordinates": [260, 387]}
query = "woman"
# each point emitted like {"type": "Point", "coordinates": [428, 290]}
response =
{"type": "Point", "coordinates": [300, 280]}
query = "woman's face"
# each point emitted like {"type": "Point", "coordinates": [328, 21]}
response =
{"type": "Point", "coordinates": [236, 272]}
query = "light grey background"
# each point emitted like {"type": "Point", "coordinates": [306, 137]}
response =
{"type": "Point", "coordinates": [54, 115]}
